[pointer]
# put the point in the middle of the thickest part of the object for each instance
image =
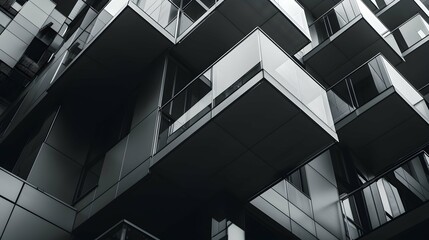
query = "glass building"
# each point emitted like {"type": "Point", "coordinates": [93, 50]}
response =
{"type": "Point", "coordinates": [214, 119]}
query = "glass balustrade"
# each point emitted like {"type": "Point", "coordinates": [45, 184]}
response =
{"type": "Point", "coordinates": [232, 71]}
{"type": "Point", "coordinates": [295, 12]}
{"type": "Point", "coordinates": [366, 83]}
{"type": "Point", "coordinates": [125, 230]}
{"type": "Point", "coordinates": [175, 17]}
{"type": "Point", "coordinates": [411, 32]}
{"type": "Point", "coordinates": [383, 199]}
{"type": "Point", "coordinates": [341, 16]}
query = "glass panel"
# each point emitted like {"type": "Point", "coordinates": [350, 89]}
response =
{"type": "Point", "coordinates": [235, 64]}
{"type": "Point", "coordinates": [295, 80]}
{"type": "Point", "coordinates": [4, 19]}
{"type": "Point", "coordinates": [372, 19]}
{"type": "Point", "coordinates": [184, 109]}
{"type": "Point", "coordinates": [387, 197]}
{"type": "Point", "coordinates": [295, 12]}
{"type": "Point", "coordinates": [230, 73]}
{"type": "Point", "coordinates": [126, 231]}
{"type": "Point", "coordinates": [367, 82]}
{"type": "Point", "coordinates": [411, 32]}
{"type": "Point", "coordinates": [163, 12]}
{"type": "Point", "coordinates": [299, 200]}
{"type": "Point", "coordinates": [335, 19]}
{"type": "Point", "coordinates": [341, 15]}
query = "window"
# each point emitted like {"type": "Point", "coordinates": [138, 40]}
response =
{"type": "Point", "coordinates": [299, 180]}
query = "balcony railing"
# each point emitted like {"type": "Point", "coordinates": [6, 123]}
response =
{"type": "Point", "coordinates": [173, 18]}
{"type": "Point", "coordinates": [366, 83]}
{"type": "Point", "coordinates": [295, 12]}
{"type": "Point", "coordinates": [342, 15]}
{"type": "Point", "coordinates": [411, 32]}
{"type": "Point", "coordinates": [229, 73]}
{"type": "Point", "coordinates": [125, 230]}
{"type": "Point", "coordinates": [386, 197]}
{"type": "Point", "coordinates": [379, 5]}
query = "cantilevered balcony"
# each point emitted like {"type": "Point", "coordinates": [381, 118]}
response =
{"type": "Point", "coordinates": [394, 12]}
{"type": "Point", "coordinates": [378, 114]}
{"type": "Point", "coordinates": [346, 37]}
{"type": "Point", "coordinates": [413, 40]}
{"type": "Point", "coordinates": [105, 55]}
{"type": "Point", "coordinates": [252, 115]}
{"type": "Point", "coordinates": [402, 191]}
{"type": "Point", "coordinates": [228, 21]}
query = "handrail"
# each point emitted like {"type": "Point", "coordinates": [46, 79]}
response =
{"type": "Point", "coordinates": [401, 161]}
{"type": "Point", "coordinates": [355, 70]}
{"type": "Point", "coordinates": [234, 47]}
{"type": "Point", "coordinates": [327, 12]}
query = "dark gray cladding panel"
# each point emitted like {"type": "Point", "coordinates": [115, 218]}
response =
{"type": "Point", "coordinates": [5, 211]}
{"type": "Point", "coordinates": [55, 173]}
{"type": "Point", "coordinates": [323, 165]}
{"type": "Point", "coordinates": [140, 142]}
{"type": "Point", "coordinates": [325, 200]}
{"type": "Point", "coordinates": [112, 166]}
{"type": "Point", "coordinates": [71, 133]}
{"type": "Point", "coordinates": [47, 207]}
{"type": "Point", "coordinates": [9, 186]}
{"type": "Point", "coordinates": [25, 225]}
{"type": "Point", "coordinates": [148, 92]}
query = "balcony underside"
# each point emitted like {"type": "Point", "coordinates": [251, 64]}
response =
{"type": "Point", "coordinates": [319, 7]}
{"type": "Point", "coordinates": [116, 59]}
{"type": "Point", "coordinates": [398, 12]}
{"type": "Point", "coordinates": [248, 145]}
{"type": "Point", "coordinates": [383, 131]}
{"type": "Point", "coordinates": [415, 67]}
{"type": "Point", "coordinates": [107, 70]}
{"type": "Point", "coordinates": [225, 26]}
{"type": "Point", "coordinates": [347, 50]}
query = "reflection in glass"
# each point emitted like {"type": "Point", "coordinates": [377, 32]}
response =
{"type": "Point", "coordinates": [411, 32]}
{"type": "Point", "coordinates": [387, 197]}
{"type": "Point", "coordinates": [183, 108]}
{"type": "Point", "coordinates": [366, 83]}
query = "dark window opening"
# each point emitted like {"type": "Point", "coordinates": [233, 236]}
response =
{"type": "Point", "coordinates": [299, 180]}
{"type": "Point", "coordinates": [109, 132]}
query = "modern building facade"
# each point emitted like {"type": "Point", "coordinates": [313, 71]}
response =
{"type": "Point", "coordinates": [214, 119]}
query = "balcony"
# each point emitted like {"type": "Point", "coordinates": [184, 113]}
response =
{"type": "Point", "coordinates": [391, 203]}
{"type": "Point", "coordinates": [347, 36]}
{"type": "Point", "coordinates": [252, 115]}
{"type": "Point", "coordinates": [413, 41]}
{"type": "Point", "coordinates": [394, 12]}
{"type": "Point", "coordinates": [101, 51]}
{"type": "Point", "coordinates": [378, 114]}
{"type": "Point", "coordinates": [218, 29]}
